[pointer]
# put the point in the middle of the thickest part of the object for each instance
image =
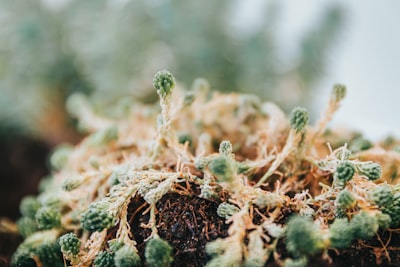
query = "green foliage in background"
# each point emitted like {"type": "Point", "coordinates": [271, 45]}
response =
{"type": "Point", "coordinates": [109, 48]}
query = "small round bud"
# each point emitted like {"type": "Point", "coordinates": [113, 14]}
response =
{"type": "Point", "coordinates": [364, 225]}
{"type": "Point", "coordinates": [71, 183]}
{"type": "Point", "coordinates": [97, 217]}
{"type": "Point", "coordinates": [226, 210]}
{"type": "Point", "coordinates": [164, 82]}
{"type": "Point", "coordinates": [70, 244]}
{"type": "Point", "coordinates": [360, 144]}
{"type": "Point", "coordinates": [393, 210]}
{"type": "Point", "coordinates": [384, 220]}
{"type": "Point", "coordinates": [338, 92]}
{"type": "Point", "coordinates": [302, 237]}
{"type": "Point", "coordinates": [381, 195]}
{"type": "Point", "coordinates": [188, 98]}
{"type": "Point", "coordinates": [344, 172]}
{"type": "Point", "coordinates": [104, 259]}
{"type": "Point", "coordinates": [372, 170]}
{"type": "Point", "coordinates": [48, 218]}
{"type": "Point", "coordinates": [158, 253]}
{"type": "Point", "coordinates": [104, 136]}
{"type": "Point", "coordinates": [29, 206]}
{"type": "Point", "coordinates": [22, 258]}
{"type": "Point", "coordinates": [185, 137]}
{"type": "Point", "coordinates": [26, 226]}
{"type": "Point", "coordinates": [345, 199]}
{"type": "Point", "coordinates": [60, 155]}
{"type": "Point", "coordinates": [299, 119]}
{"type": "Point", "coordinates": [222, 168]}
{"type": "Point", "coordinates": [115, 244]}
{"type": "Point", "coordinates": [225, 148]}
{"type": "Point", "coordinates": [341, 234]}
{"type": "Point", "coordinates": [50, 254]}
{"type": "Point", "coordinates": [201, 163]}
{"type": "Point", "coordinates": [127, 257]}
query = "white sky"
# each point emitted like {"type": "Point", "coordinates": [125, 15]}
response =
{"type": "Point", "coordinates": [367, 60]}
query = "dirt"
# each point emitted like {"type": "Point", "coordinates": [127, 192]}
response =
{"type": "Point", "coordinates": [188, 223]}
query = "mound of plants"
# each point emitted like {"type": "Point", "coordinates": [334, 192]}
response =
{"type": "Point", "coordinates": [213, 179]}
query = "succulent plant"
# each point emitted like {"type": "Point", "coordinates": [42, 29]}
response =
{"type": "Point", "coordinates": [262, 178]}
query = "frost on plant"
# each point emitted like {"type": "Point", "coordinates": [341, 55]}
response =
{"type": "Point", "coordinates": [263, 178]}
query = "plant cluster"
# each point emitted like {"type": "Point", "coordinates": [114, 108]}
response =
{"type": "Point", "coordinates": [276, 179]}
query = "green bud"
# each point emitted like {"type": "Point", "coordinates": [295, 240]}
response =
{"type": "Point", "coordinates": [97, 217]}
{"type": "Point", "coordinates": [188, 98]}
{"type": "Point", "coordinates": [50, 255]}
{"type": "Point", "coordinates": [364, 225]}
{"type": "Point", "coordinates": [158, 253]}
{"type": "Point", "coordinates": [345, 199]}
{"type": "Point", "coordinates": [381, 195]}
{"type": "Point", "coordinates": [339, 92]}
{"type": "Point", "coordinates": [185, 137]}
{"type": "Point", "coordinates": [29, 206]}
{"type": "Point", "coordinates": [226, 210]}
{"type": "Point", "coordinates": [299, 119]}
{"type": "Point", "coordinates": [360, 144]}
{"type": "Point", "coordinates": [104, 259]}
{"type": "Point", "coordinates": [384, 220]}
{"type": "Point", "coordinates": [225, 148]}
{"type": "Point", "coordinates": [22, 258]}
{"type": "Point", "coordinates": [302, 237]}
{"type": "Point", "coordinates": [104, 136]}
{"type": "Point", "coordinates": [115, 244]}
{"type": "Point", "coordinates": [341, 233]}
{"type": "Point", "coordinates": [393, 210]}
{"type": "Point", "coordinates": [127, 257]}
{"type": "Point", "coordinates": [60, 155]}
{"type": "Point", "coordinates": [222, 167]}
{"type": "Point", "coordinates": [70, 244]}
{"type": "Point", "coordinates": [201, 163]}
{"type": "Point", "coordinates": [344, 172]}
{"type": "Point", "coordinates": [372, 170]}
{"type": "Point", "coordinates": [48, 218]}
{"type": "Point", "coordinates": [26, 226]}
{"type": "Point", "coordinates": [71, 183]}
{"type": "Point", "coordinates": [164, 82]}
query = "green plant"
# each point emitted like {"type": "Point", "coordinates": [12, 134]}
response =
{"type": "Point", "coordinates": [104, 259]}
{"type": "Point", "coordinates": [97, 217]}
{"type": "Point", "coordinates": [252, 182]}
{"type": "Point", "coordinates": [158, 253]}
{"type": "Point", "coordinates": [302, 237]}
{"type": "Point", "coordinates": [70, 244]}
{"type": "Point", "coordinates": [127, 257]}
{"type": "Point", "coordinates": [344, 172]}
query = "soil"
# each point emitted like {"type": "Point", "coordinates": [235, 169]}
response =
{"type": "Point", "coordinates": [189, 222]}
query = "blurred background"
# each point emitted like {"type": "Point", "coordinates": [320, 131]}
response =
{"type": "Point", "coordinates": [284, 51]}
